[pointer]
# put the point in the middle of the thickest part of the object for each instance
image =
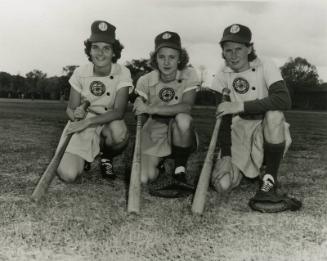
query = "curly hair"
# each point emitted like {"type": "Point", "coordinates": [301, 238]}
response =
{"type": "Point", "coordinates": [183, 60]}
{"type": "Point", "coordinates": [251, 56]}
{"type": "Point", "coordinates": [117, 47]}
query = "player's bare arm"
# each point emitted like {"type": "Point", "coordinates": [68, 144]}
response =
{"type": "Point", "coordinates": [225, 108]}
{"type": "Point", "coordinates": [116, 114]}
{"type": "Point", "coordinates": [73, 104]}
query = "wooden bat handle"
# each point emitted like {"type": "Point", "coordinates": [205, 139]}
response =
{"type": "Point", "coordinates": [134, 193]}
{"type": "Point", "coordinates": [204, 179]}
{"type": "Point", "coordinates": [48, 175]}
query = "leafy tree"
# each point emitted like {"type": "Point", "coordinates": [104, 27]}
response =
{"type": "Point", "coordinates": [138, 68]}
{"type": "Point", "coordinates": [34, 83]}
{"type": "Point", "coordinates": [68, 70]}
{"type": "Point", "coordinates": [19, 85]}
{"type": "Point", "coordinates": [6, 87]}
{"type": "Point", "coordinates": [299, 73]}
{"type": "Point", "coordinates": [63, 80]}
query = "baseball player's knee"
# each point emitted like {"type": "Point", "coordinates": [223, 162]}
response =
{"type": "Point", "coordinates": [149, 174]}
{"type": "Point", "coordinates": [273, 126]}
{"type": "Point", "coordinates": [183, 121]}
{"type": "Point", "coordinates": [225, 183]}
{"type": "Point", "coordinates": [115, 132]}
{"type": "Point", "coordinates": [274, 119]}
{"type": "Point", "coordinates": [68, 175]}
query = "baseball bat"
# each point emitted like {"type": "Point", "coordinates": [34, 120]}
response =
{"type": "Point", "coordinates": [204, 179]}
{"type": "Point", "coordinates": [134, 192]}
{"type": "Point", "coordinates": [50, 172]}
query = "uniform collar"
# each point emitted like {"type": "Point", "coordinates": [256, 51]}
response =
{"type": "Point", "coordinates": [253, 64]}
{"type": "Point", "coordinates": [115, 70]}
{"type": "Point", "coordinates": [154, 77]}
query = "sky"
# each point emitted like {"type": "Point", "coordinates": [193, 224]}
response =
{"type": "Point", "coordinates": [49, 34]}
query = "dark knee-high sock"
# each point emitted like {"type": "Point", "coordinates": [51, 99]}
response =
{"type": "Point", "coordinates": [110, 152]}
{"type": "Point", "coordinates": [180, 155]}
{"type": "Point", "coordinates": [273, 154]}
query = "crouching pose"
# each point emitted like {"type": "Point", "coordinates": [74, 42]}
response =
{"type": "Point", "coordinates": [254, 131]}
{"type": "Point", "coordinates": [105, 84]}
{"type": "Point", "coordinates": [167, 95]}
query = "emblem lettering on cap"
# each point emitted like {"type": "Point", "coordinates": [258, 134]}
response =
{"type": "Point", "coordinates": [234, 29]}
{"type": "Point", "coordinates": [166, 36]}
{"type": "Point", "coordinates": [103, 26]}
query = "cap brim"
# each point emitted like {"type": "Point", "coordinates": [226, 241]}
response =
{"type": "Point", "coordinates": [169, 45]}
{"type": "Point", "coordinates": [233, 38]}
{"type": "Point", "coordinates": [101, 38]}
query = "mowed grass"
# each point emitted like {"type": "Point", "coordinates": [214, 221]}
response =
{"type": "Point", "coordinates": [88, 220]}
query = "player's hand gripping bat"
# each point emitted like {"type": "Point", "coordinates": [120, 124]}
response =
{"type": "Point", "coordinates": [51, 170]}
{"type": "Point", "coordinates": [134, 193]}
{"type": "Point", "coordinates": [204, 179]}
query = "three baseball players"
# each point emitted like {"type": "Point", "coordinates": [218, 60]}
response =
{"type": "Point", "coordinates": [254, 131]}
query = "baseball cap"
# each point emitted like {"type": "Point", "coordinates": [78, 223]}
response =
{"type": "Point", "coordinates": [102, 31]}
{"type": "Point", "coordinates": [167, 39]}
{"type": "Point", "coordinates": [237, 33]}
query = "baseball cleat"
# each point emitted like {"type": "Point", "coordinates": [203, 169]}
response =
{"type": "Point", "coordinates": [180, 174]}
{"type": "Point", "coordinates": [107, 170]}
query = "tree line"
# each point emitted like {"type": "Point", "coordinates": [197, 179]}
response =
{"type": "Point", "coordinates": [301, 77]}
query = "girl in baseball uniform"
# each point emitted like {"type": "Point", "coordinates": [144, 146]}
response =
{"type": "Point", "coordinates": [105, 84]}
{"type": "Point", "coordinates": [167, 95]}
{"type": "Point", "coordinates": [258, 134]}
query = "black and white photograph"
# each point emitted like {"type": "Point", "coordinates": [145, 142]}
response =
{"type": "Point", "coordinates": [156, 130]}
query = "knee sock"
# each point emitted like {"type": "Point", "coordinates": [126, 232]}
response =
{"type": "Point", "coordinates": [273, 153]}
{"type": "Point", "coordinates": [181, 155]}
{"type": "Point", "coordinates": [110, 153]}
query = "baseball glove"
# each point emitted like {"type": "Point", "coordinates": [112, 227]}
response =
{"type": "Point", "coordinates": [274, 203]}
{"type": "Point", "coordinates": [166, 186]}
{"type": "Point", "coordinates": [174, 189]}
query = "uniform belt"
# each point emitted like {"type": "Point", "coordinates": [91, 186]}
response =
{"type": "Point", "coordinates": [247, 116]}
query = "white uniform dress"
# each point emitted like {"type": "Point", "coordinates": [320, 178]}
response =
{"type": "Point", "coordinates": [156, 139]}
{"type": "Point", "coordinates": [247, 135]}
{"type": "Point", "coordinates": [101, 92]}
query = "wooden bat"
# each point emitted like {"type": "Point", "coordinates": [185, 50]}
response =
{"type": "Point", "coordinates": [203, 183]}
{"type": "Point", "coordinates": [48, 175]}
{"type": "Point", "coordinates": [134, 192]}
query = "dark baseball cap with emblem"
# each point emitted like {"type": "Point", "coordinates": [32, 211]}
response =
{"type": "Point", "coordinates": [167, 39]}
{"type": "Point", "coordinates": [102, 31]}
{"type": "Point", "coordinates": [237, 33]}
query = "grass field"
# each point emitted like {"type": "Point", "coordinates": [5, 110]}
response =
{"type": "Point", "coordinates": [88, 220]}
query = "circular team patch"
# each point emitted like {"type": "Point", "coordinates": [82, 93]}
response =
{"type": "Point", "coordinates": [166, 36]}
{"type": "Point", "coordinates": [103, 26]}
{"type": "Point", "coordinates": [97, 88]}
{"type": "Point", "coordinates": [166, 94]}
{"type": "Point", "coordinates": [235, 29]}
{"type": "Point", "coordinates": [241, 85]}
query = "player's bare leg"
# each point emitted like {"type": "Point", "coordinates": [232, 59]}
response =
{"type": "Point", "coordinates": [182, 137]}
{"type": "Point", "coordinates": [149, 166]}
{"type": "Point", "coordinates": [70, 167]}
{"type": "Point", "coordinates": [115, 135]}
